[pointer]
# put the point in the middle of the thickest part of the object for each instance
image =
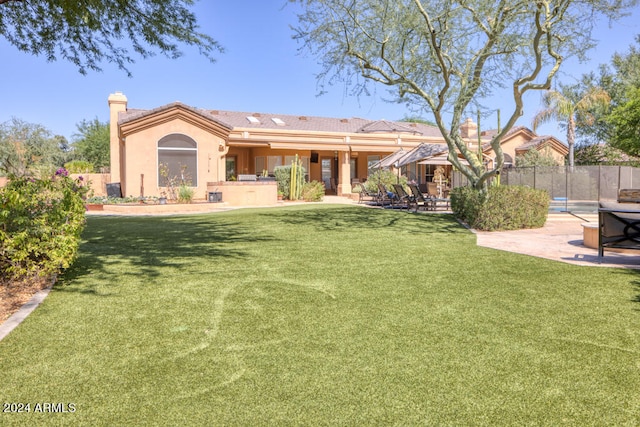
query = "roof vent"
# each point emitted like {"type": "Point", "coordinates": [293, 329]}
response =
{"type": "Point", "coordinates": [303, 118]}
{"type": "Point", "coordinates": [344, 121]}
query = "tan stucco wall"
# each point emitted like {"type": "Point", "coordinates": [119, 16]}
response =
{"type": "Point", "coordinates": [97, 182]}
{"type": "Point", "coordinates": [141, 154]}
{"type": "Point", "coordinates": [559, 158]}
{"type": "Point", "coordinates": [246, 193]}
{"type": "Point", "coordinates": [509, 147]}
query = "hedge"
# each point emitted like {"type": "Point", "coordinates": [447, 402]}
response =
{"type": "Point", "coordinates": [501, 207]}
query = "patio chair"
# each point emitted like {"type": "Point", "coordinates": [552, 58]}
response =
{"type": "Point", "coordinates": [366, 195]}
{"type": "Point", "coordinates": [402, 197]}
{"type": "Point", "coordinates": [432, 191]}
{"type": "Point", "coordinates": [420, 200]}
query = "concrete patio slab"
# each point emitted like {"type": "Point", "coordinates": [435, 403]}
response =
{"type": "Point", "coordinates": [561, 239]}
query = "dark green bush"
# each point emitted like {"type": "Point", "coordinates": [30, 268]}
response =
{"type": "Point", "coordinates": [501, 207]}
{"type": "Point", "coordinates": [312, 191]}
{"type": "Point", "coordinates": [40, 225]}
{"type": "Point", "coordinates": [283, 178]}
{"type": "Point", "coordinates": [466, 203]}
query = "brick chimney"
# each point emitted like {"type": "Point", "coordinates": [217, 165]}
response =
{"type": "Point", "coordinates": [117, 104]}
{"type": "Point", "coordinates": [469, 129]}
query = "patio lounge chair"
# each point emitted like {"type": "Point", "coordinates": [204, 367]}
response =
{"type": "Point", "coordinates": [385, 196]}
{"type": "Point", "coordinates": [420, 200]}
{"type": "Point", "coordinates": [402, 197]}
{"type": "Point", "coordinates": [366, 195]}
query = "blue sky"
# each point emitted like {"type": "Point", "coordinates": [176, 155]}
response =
{"type": "Point", "coordinates": [261, 71]}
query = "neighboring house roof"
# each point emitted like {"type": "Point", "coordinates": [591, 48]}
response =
{"type": "Point", "coordinates": [511, 132]}
{"type": "Point", "coordinates": [543, 141]}
{"type": "Point", "coordinates": [534, 141]}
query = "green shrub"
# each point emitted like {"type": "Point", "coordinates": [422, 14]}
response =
{"type": "Point", "coordinates": [386, 177]}
{"type": "Point", "coordinates": [79, 166]}
{"type": "Point", "coordinates": [466, 203]}
{"type": "Point", "coordinates": [312, 191]}
{"type": "Point", "coordinates": [501, 207]}
{"type": "Point", "coordinates": [40, 225]}
{"type": "Point", "coordinates": [283, 178]}
{"type": "Point", "coordinates": [104, 200]}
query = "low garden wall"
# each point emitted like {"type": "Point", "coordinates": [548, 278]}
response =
{"type": "Point", "coordinates": [97, 182]}
{"type": "Point", "coordinates": [239, 193]}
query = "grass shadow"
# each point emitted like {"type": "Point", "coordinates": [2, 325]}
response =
{"type": "Point", "coordinates": [332, 218]}
{"type": "Point", "coordinates": [148, 244]}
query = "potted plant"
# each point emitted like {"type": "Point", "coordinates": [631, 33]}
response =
{"type": "Point", "coordinates": [163, 198]}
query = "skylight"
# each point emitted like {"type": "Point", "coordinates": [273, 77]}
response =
{"type": "Point", "coordinates": [277, 121]}
{"type": "Point", "coordinates": [253, 120]}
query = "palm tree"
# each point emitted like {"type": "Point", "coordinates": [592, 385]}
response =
{"type": "Point", "coordinates": [571, 106]}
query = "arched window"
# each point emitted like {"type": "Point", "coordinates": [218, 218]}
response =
{"type": "Point", "coordinates": [177, 161]}
{"type": "Point", "coordinates": [508, 160]}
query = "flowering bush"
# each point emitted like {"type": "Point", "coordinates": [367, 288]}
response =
{"type": "Point", "coordinates": [40, 224]}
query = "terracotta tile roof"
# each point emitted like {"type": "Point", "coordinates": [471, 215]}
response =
{"type": "Point", "coordinates": [490, 133]}
{"type": "Point", "coordinates": [261, 120]}
{"type": "Point", "coordinates": [534, 142]}
{"type": "Point", "coordinates": [134, 114]}
{"type": "Point", "coordinates": [388, 127]}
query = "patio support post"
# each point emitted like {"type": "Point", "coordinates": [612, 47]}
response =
{"type": "Point", "coordinates": [344, 173]}
{"type": "Point", "coordinates": [223, 150]}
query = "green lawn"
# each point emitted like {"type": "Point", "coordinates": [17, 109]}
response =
{"type": "Point", "coordinates": [323, 315]}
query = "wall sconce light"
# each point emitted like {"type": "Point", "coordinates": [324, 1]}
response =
{"type": "Point", "coordinates": [221, 146]}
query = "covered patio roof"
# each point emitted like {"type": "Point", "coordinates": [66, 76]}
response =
{"type": "Point", "coordinates": [403, 157]}
{"type": "Point", "coordinates": [389, 160]}
{"type": "Point", "coordinates": [441, 159]}
{"type": "Point", "coordinates": [421, 152]}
